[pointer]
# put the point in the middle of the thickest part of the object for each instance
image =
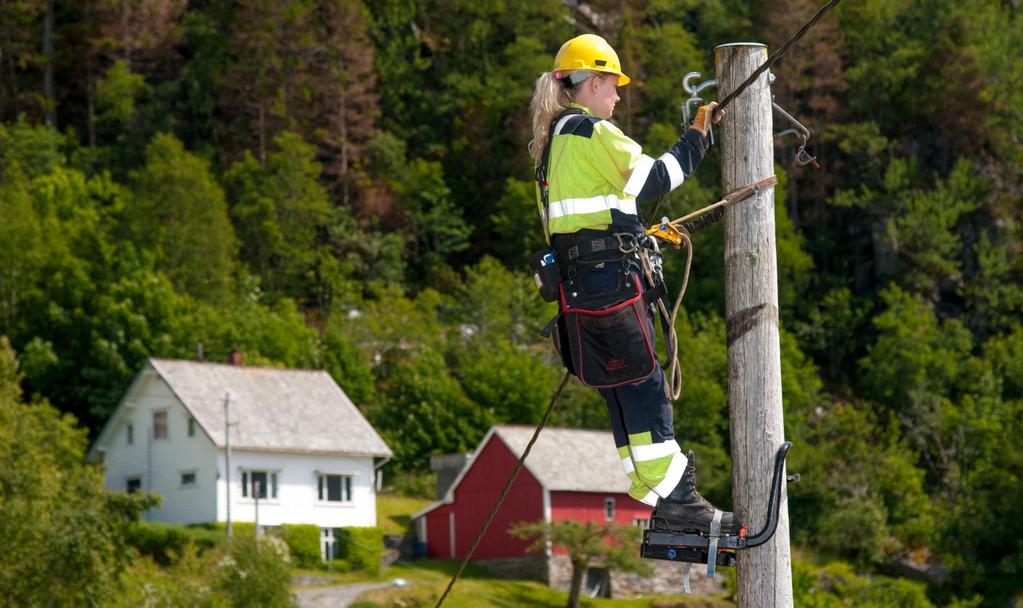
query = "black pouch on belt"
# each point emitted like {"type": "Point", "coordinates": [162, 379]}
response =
{"type": "Point", "coordinates": [609, 337]}
{"type": "Point", "coordinates": [546, 273]}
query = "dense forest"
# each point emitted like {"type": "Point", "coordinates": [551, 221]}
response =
{"type": "Point", "coordinates": [344, 184]}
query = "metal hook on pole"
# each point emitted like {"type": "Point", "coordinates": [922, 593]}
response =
{"type": "Point", "coordinates": [803, 158]}
{"type": "Point", "coordinates": [694, 97]}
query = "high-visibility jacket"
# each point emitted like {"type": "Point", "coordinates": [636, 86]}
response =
{"type": "Point", "coordinates": [595, 172]}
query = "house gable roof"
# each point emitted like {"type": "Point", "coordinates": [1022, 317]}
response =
{"type": "Point", "coordinates": [286, 410]}
{"type": "Point", "coordinates": [562, 460]}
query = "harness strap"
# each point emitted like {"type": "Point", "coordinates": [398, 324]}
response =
{"type": "Point", "coordinates": [712, 548]}
{"type": "Point", "coordinates": [544, 164]}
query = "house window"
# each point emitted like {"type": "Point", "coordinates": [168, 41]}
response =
{"type": "Point", "coordinates": [134, 484]}
{"type": "Point", "coordinates": [266, 481]}
{"type": "Point", "coordinates": [160, 425]}
{"type": "Point", "coordinates": [188, 479]}
{"type": "Point", "coordinates": [336, 488]}
{"type": "Point", "coordinates": [609, 509]}
{"type": "Point", "coordinates": [130, 430]}
{"type": "Point", "coordinates": [328, 544]}
{"type": "Point", "coordinates": [191, 427]}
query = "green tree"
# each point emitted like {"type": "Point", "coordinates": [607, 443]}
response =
{"type": "Point", "coordinates": [423, 412]}
{"type": "Point", "coordinates": [178, 211]}
{"type": "Point", "coordinates": [47, 492]}
{"type": "Point", "coordinates": [607, 545]}
{"type": "Point", "coordinates": [116, 95]}
{"type": "Point", "coordinates": [22, 258]}
{"type": "Point", "coordinates": [279, 209]}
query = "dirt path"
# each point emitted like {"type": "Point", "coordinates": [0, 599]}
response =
{"type": "Point", "coordinates": [338, 596]}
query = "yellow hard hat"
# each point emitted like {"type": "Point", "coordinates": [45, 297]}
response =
{"type": "Point", "coordinates": [588, 52]}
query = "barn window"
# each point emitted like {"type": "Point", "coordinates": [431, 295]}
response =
{"type": "Point", "coordinates": [609, 509]}
{"type": "Point", "coordinates": [335, 488]}
{"type": "Point", "coordinates": [160, 425]}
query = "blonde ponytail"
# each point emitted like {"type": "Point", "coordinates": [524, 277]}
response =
{"type": "Point", "coordinates": [549, 99]}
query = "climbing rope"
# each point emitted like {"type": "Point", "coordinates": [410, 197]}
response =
{"type": "Point", "coordinates": [673, 371]}
{"type": "Point", "coordinates": [507, 487]}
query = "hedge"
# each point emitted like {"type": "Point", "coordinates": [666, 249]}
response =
{"type": "Point", "coordinates": [362, 548]}
{"type": "Point", "coordinates": [159, 540]}
{"type": "Point", "coordinates": [304, 542]}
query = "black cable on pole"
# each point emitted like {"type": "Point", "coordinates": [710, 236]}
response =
{"type": "Point", "coordinates": [775, 56]}
{"type": "Point", "coordinates": [507, 487]}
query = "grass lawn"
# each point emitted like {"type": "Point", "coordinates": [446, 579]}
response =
{"type": "Point", "coordinates": [427, 579]}
{"type": "Point", "coordinates": [394, 512]}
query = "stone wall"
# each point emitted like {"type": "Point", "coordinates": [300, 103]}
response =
{"type": "Point", "coordinates": [666, 578]}
{"type": "Point", "coordinates": [522, 568]}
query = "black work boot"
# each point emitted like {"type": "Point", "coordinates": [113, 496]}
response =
{"type": "Point", "coordinates": [685, 510]}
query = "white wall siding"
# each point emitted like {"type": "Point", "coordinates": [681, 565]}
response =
{"type": "Point", "coordinates": [161, 462]}
{"type": "Point", "coordinates": [297, 499]}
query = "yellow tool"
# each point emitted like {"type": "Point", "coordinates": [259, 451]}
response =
{"type": "Point", "coordinates": [666, 231]}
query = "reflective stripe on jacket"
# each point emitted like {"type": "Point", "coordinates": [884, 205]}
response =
{"type": "Point", "coordinates": [594, 168]}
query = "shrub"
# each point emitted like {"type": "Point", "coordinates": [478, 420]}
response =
{"type": "Point", "coordinates": [238, 528]}
{"type": "Point", "coordinates": [184, 583]}
{"type": "Point", "coordinates": [161, 541]}
{"type": "Point", "coordinates": [304, 542]}
{"type": "Point", "coordinates": [362, 548]}
{"type": "Point", "coordinates": [256, 573]}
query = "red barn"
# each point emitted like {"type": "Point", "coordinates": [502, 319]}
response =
{"type": "Point", "coordinates": [570, 474]}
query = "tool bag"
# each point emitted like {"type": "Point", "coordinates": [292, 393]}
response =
{"type": "Point", "coordinates": [607, 338]}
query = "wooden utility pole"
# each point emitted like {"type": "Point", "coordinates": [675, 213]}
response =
{"type": "Point", "coordinates": [751, 309]}
{"type": "Point", "coordinates": [227, 457]}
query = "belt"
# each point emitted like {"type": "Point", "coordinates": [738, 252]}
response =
{"type": "Point", "coordinates": [576, 246]}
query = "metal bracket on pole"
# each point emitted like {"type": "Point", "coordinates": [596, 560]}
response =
{"type": "Point", "coordinates": [803, 158]}
{"type": "Point", "coordinates": [694, 99]}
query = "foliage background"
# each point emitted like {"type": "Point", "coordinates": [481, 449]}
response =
{"type": "Point", "coordinates": [344, 185]}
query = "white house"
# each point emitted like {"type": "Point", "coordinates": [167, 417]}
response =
{"type": "Point", "coordinates": [300, 450]}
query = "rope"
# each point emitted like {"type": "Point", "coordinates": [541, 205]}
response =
{"type": "Point", "coordinates": [733, 197]}
{"type": "Point", "coordinates": [775, 56]}
{"type": "Point", "coordinates": [673, 375]}
{"type": "Point", "coordinates": [504, 491]}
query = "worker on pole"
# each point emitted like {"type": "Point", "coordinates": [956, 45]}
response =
{"type": "Point", "coordinates": [589, 178]}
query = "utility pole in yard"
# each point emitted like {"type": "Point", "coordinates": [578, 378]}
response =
{"type": "Point", "coordinates": [227, 456]}
{"type": "Point", "coordinates": [751, 309]}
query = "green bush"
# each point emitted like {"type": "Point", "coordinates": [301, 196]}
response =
{"type": "Point", "coordinates": [238, 528]}
{"type": "Point", "coordinates": [361, 548]}
{"type": "Point", "coordinates": [184, 583]}
{"type": "Point", "coordinates": [256, 573]}
{"type": "Point", "coordinates": [161, 541]}
{"type": "Point", "coordinates": [304, 542]}
{"type": "Point", "coordinates": [836, 585]}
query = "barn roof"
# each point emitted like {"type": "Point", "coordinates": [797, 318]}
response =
{"type": "Point", "coordinates": [562, 460]}
{"type": "Point", "coordinates": [288, 410]}
{"type": "Point", "coordinates": [574, 460]}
